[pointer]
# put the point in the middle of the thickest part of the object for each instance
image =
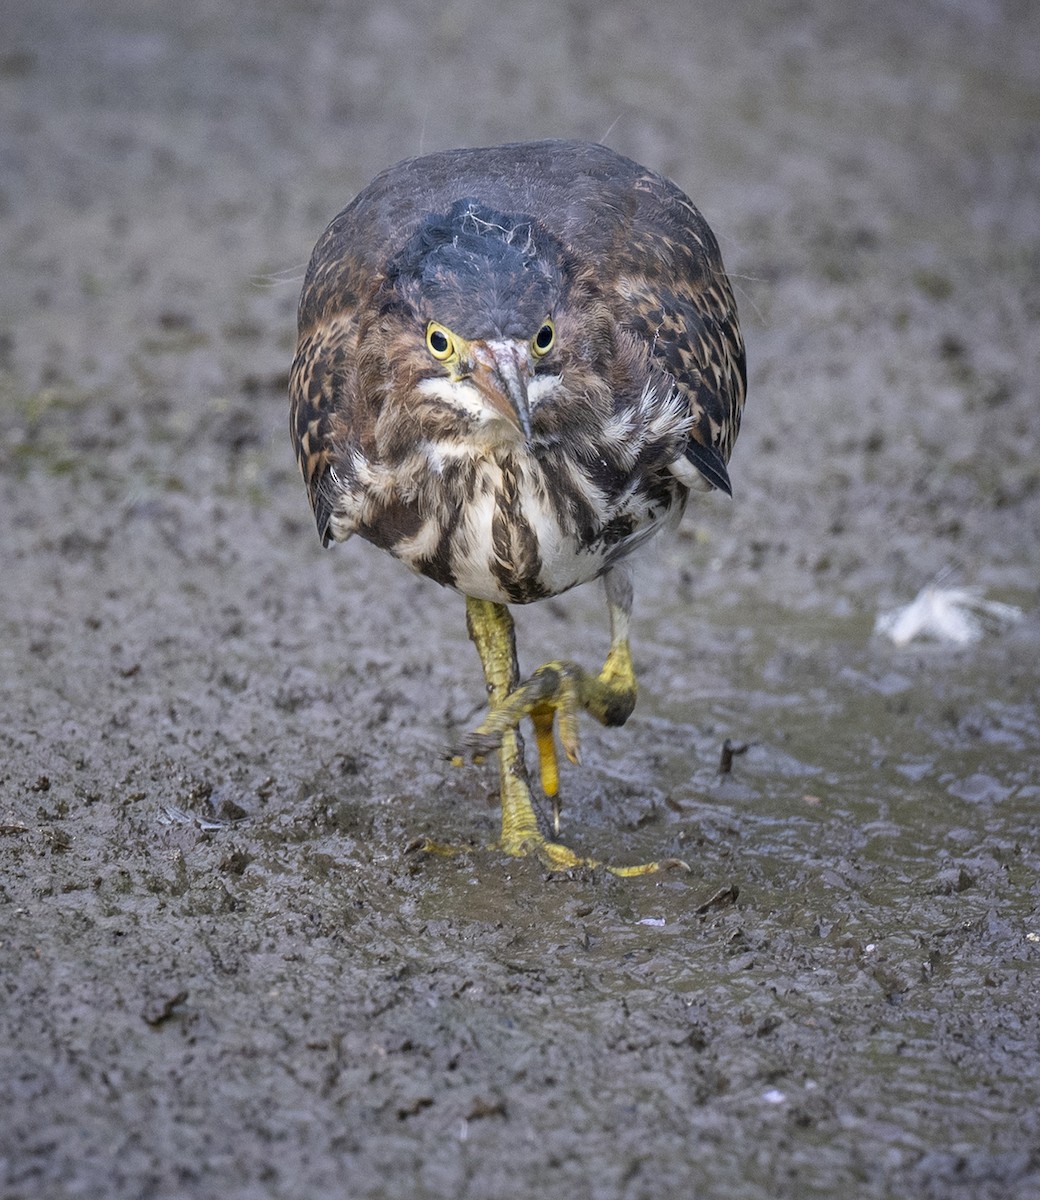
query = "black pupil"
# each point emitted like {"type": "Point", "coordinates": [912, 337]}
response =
{"type": "Point", "coordinates": [438, 341]}
{"type": "Point", "coordinates": [543, 338]}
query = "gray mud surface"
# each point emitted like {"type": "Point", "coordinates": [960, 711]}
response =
{"type": "Point", "coordinates": [220, 972]}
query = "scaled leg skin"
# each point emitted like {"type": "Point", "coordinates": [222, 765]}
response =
{"type": "Point", "coordinates": [491, 628]}
{"type": "Point", "coordinates": [560, 690]}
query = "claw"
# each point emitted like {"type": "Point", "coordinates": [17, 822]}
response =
{"type": "Point", "coordinates": [542, 719]}
{"type": "Point", "coordinates": [425, 845]}
{"type": "Point", "coordinates": [568, 729]}
{"type": "Point", "coordinates": [478, 744]}
{"type": "Point", "coordinates": [558, 691]}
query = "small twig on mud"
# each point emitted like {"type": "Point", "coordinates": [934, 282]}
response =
{"type": "Point", "coordinates": [729, 753]}
{"type": "Point", "coordinates": [155, 1012]}
{"type": "Point", "coordinates": [722, 898]}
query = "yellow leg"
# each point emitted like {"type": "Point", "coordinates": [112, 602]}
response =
{"type": "Point", "coordinates": [543, 719]}
{"type": "Point", "coordinates": [491, 629]}
{"type": "Point", "coordinates": [561, 690]}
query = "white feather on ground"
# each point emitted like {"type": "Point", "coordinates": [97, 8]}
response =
{"type": "Point", "coordinates": [956, 615]}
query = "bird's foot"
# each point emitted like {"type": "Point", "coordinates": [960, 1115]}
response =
{"type": "Point", "coordinates": [554, 690]}
{"type": "Point", "coordinates": [561, 689]}
{"type": "Point", "coordinates": [557, 691]}
{"type": "Point", "coordinates": [558, 857]}
{"type": "Point", "coordinates": [554, 855]}
{"type": "Point", "coordinates": [425, 845]}
{"type": "Point", "coordinates": [553, 697]}
{"type": "Point", "coordinates": [522, 834]}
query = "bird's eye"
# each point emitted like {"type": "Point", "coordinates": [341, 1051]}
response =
{"type": "Point", "coordinates": [439, 341]}
{"type": "Point", "coordinates": [544, 340]}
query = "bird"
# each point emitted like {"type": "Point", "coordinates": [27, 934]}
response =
{"type": "Point", "coordinates": [514, 365]}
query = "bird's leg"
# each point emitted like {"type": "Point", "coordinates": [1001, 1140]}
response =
{"type": "Point", "coordinates": [557, 689]}
{"type": "Point", "coordinates": [491, 631]}
{"type": "Point", "coordinates": [491, 628]}
{"type": "Point", "coordinates": [560, 690]}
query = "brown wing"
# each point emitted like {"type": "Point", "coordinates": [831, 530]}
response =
{"type": "Point", "coordinates": [328, 405]}
{"type": "Point", "coordinates": [316, 395]}
{"type": "Point", "coordinates": [676, 296]}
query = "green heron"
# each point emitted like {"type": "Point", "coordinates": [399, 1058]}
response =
{"type": "Point", "coordinates": [514, 364]}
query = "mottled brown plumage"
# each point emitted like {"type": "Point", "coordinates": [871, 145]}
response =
{"type": "Point", "coordinates": [513, 365]}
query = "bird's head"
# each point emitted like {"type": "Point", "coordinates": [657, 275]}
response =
{"type": "Point", "coordinates": [477, 290]}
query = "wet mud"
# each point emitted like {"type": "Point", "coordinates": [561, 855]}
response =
{"type": "Point", "coordinates": [221, 973]}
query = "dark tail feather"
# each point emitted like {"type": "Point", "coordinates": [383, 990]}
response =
{"type": "Point", "coordinates": [711, 465]}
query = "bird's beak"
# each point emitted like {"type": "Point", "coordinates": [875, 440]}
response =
{"type": "Point", "coordinates": [501, 372]}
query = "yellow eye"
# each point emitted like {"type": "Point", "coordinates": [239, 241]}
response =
{"type": "Point", "coordinates": [544, 340]}
{"type": "Point", "coordinates": [439, 341]}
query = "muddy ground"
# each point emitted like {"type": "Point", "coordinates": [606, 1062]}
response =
{"type": "Point", "coordinates": [220, 972]}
